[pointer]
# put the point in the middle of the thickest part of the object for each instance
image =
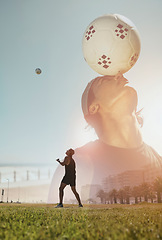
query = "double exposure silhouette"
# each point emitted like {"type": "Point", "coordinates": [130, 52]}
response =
{"type": "Point", "coordinates": [119, 157]}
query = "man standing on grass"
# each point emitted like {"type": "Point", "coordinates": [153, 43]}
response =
{"type": "Point", "coordinates": [69, 178]}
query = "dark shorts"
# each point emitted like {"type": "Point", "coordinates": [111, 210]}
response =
{"type": "Point", "coordinates": [69, 181]}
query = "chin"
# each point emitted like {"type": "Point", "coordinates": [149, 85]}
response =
{"type": "Point", "coordinates": [131, 95]}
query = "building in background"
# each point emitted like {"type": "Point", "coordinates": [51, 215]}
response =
{"type": "Point", "coordinates": [131, 178]}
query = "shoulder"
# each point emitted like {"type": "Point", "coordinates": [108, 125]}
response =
{"type": "Point", "coordinates": [152, 154]}
{"type": "Point", "coordinates": [89, 145]}
{"type": "Point", "coordinates": [87, 148]}
{"type": "Point", "coordinates": [93, 150]}
{"type": "Point", "coordinates": [67, 160]}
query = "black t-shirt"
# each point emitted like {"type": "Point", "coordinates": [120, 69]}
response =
{"type": "Point", "coordinates": [70, 169]}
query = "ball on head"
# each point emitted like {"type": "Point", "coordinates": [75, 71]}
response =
{"type": "Point", "coordinates": [111, 44]}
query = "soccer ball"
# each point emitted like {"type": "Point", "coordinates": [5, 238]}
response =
{"type": "Point", "coordinates": [38, 71]}
{"type": "Point", "coordinates": [111, 44]}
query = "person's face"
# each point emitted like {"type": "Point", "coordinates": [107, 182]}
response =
{"type": "Point", "coordinates": [69, 153]}
{"type": "Point", "coordinates": [113, 94]}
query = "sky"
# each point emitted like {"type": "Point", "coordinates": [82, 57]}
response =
{"type": "Point", "coordinates": [40, 115]}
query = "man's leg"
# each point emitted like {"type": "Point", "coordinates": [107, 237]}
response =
{"type": "Point", "coordinates": [76, 194]}
{"type": "Point", "coordinates": [61, 191]}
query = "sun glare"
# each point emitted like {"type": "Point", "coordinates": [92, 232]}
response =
{"type": "Point", "coordinates": [83, 133]}
{"type": "Point", "coordinates": [152, 129]}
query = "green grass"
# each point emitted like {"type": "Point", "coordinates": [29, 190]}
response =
{"type": "Point", "coordinates": [91, 222]}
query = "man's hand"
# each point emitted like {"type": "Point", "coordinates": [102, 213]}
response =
{"type": "Point", "coordinates": [62, 163]}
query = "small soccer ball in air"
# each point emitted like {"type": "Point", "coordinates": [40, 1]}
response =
{"type": "Point", "coordinates": [111, 44]}
{"type": "Point", "coordinates": [38, 71]}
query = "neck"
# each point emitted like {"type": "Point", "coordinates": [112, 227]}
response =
{"type": "Point", "coordinates": [121, 132]}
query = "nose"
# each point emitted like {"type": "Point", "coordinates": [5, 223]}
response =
{"type": "Point", "coordinates": [118, 76]}
{"type": "Point", "coordinates": [123, 81]}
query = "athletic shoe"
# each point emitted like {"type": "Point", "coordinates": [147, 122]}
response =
{"type": "Point", "coordinates": [80, 205]}
{"type": "Point", "coordinates": [60, 205]}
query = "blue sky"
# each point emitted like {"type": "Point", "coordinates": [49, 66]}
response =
{"type": "Point", "coordinates": [40, 115]}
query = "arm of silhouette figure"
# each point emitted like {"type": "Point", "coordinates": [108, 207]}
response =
{"type": "Point", "coordinates": [65, 162]}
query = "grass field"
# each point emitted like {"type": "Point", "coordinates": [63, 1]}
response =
{"type": "Point", "coordinates": [27, 221]}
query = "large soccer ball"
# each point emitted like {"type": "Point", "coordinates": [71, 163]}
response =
{"type": "Point", "coordinates": [111, 44]}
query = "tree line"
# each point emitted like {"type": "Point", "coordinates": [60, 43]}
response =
{"type": "Point", "coordinates": [148, 192]}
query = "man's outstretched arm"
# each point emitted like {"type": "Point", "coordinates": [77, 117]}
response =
{"type": "Point", "coordinates": [62, 163]}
